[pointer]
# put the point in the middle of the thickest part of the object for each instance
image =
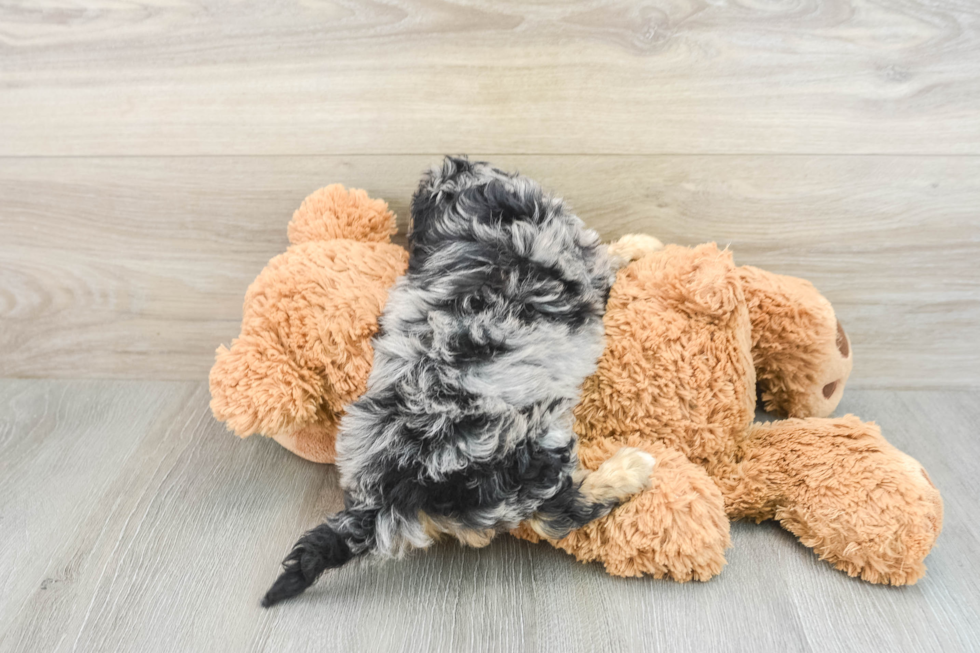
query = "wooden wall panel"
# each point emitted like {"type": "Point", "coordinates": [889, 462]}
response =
{"type": "Point", "coordinates": [168, 77]}
{"type": "Point", "coordinates": [136, 267]}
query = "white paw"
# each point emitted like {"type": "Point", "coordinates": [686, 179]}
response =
{"type": "Point", "coordinates": [624, 474]}
{"type": "Point", "coordinates": [643, 464]}
{"type": "Point", "coordinates": [632, 247]}
{"type": "Point", "coordinates": [648, 459]}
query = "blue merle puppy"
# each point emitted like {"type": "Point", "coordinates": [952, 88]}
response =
{"type": "Point", "coordinates": [466, 428]}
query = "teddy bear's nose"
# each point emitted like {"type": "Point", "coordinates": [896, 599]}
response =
{"type": "Point", "coordinates": [842, 344]}
{"type": "Point", "coordinates": [828, 389]}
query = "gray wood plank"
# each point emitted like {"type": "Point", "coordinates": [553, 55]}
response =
{"type": "Point", "coordinates": [409, 76]}
{"type": "Point", "coordinates": [136, 267]}
{"type": "Point", "coordinates": [131, 521]}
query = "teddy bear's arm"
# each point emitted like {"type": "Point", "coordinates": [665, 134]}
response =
{"type": "Point", "coordinates": [837, 484]}
{"type": "Point", "coordinates": [256, 387]}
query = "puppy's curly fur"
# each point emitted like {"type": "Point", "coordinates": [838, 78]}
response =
{"type": "Point", "coordinates": [466, 425]}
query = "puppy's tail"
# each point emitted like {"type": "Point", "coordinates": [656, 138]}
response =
{"type": "Point", "coordinates": [328, 546]}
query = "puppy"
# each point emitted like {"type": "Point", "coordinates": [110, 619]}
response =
{"type": "Point", "coordinates": [465, 428]}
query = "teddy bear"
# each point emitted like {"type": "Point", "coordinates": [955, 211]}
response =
{"type": "Point", "coordinates": [692, 341]}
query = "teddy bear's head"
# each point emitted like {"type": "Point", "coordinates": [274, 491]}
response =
{"type": "Point", "coordinates": [802, 354]}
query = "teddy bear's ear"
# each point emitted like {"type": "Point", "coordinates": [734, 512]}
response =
{"type": "Point", "coordinates": [257, 388]}
{"type": "Point", "coordinates": [335, 212]}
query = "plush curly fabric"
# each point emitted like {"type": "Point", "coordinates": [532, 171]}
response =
{"type": "Point", "coordinates": [837, 484]}
{"type": "Point", "coordinates": [676, 375]}
{"type": "Point", "coordinates": [334, 212]}
{"type": "Point", "coordinates": [677, 367]}
{"type": "Point", "coordinates": [304, 351]}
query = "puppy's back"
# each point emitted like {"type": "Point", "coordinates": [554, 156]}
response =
{"type": "Point", "coordinates": [482, 349]}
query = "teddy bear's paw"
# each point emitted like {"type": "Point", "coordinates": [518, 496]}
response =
{"type": "Point", "coordinates": [256, 387]}
{"type": "Point", "coordinates": [624, 474]}
{"type": "Point", "coordinates": [316, 441]}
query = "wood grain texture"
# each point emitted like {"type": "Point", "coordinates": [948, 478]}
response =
{"type": "Point", "coordinates": [411, 76]}
{"type": "Point", "coordinates": [132, 521]}
{"type": "Point", "coordinates": [136, 267]}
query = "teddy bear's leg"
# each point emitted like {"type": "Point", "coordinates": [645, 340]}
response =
{"type": "Point", "coordinates": [316, 441]}
{"type": "Point", "coordinates": [256, 387]}
{"type": "Point", "coordinates": [593, 493]}
{"type": "Point", "coordinates": [677, 528]}
{"type": "Point", "coordinates": [837, 484]}
{"type": "Point", "coordinates": [802, 354]}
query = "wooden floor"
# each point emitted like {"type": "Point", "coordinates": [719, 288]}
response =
{"type": "Point", "coordinates": [132, 521]}
{"type": "Point", "coordinates": [152, 152]}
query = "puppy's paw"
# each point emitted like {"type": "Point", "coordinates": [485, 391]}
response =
{"type": "Point", "coordinates": [632, 247]}
{"type": "Point", "coordinates": [621, 476]}
{"type": "Point", "coordinates": [637, 467]}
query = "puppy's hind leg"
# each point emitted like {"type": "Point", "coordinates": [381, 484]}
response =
{"type": "Point", "coordinates": [436, 528]}
{"type": "Point", "coordinates": [591, 495]}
